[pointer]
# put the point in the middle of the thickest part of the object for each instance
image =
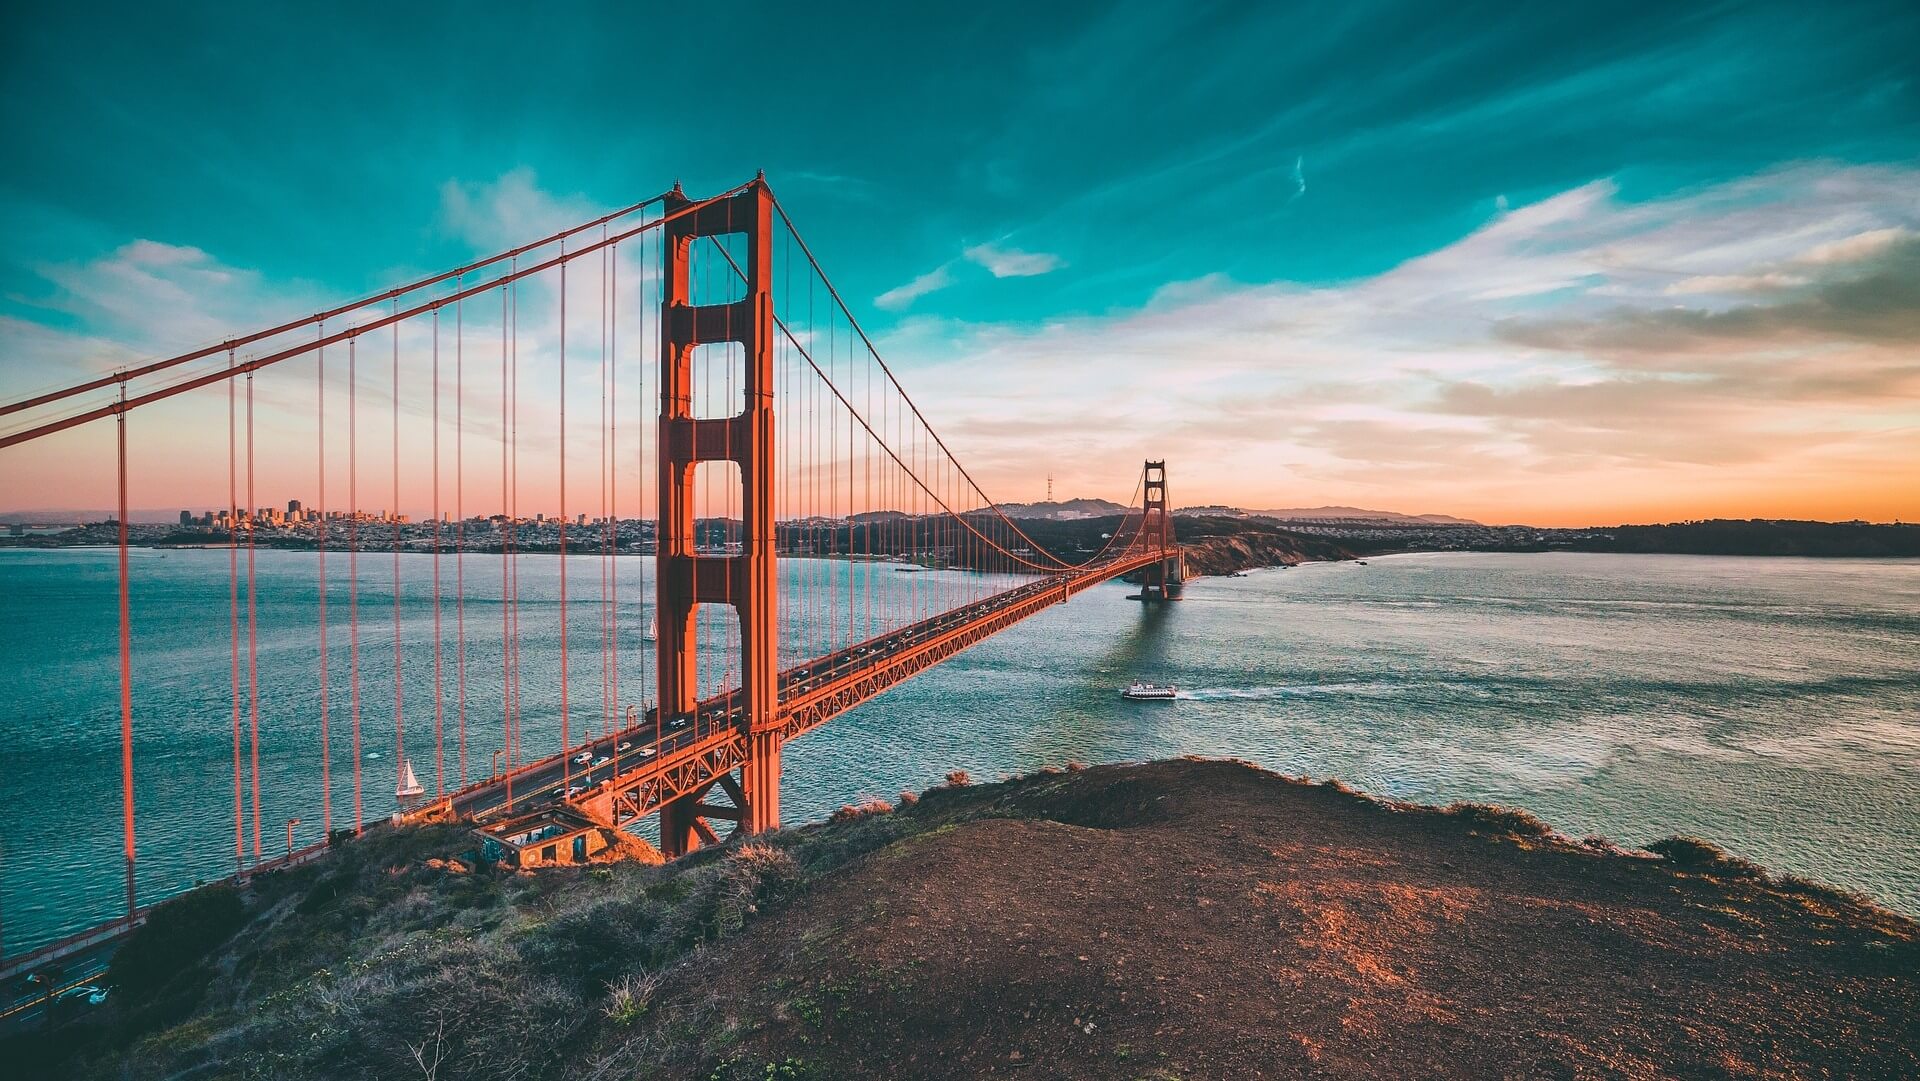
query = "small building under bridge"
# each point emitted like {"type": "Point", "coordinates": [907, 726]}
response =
{"type": "Point", "coordinates": [559, 836]}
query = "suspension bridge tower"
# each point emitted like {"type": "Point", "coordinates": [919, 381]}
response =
{"type": "Point", "coordinates": [744, 581]}
{"type": "Point", "coordinates": [1160, 581]}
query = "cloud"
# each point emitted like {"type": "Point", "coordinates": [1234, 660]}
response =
{"type": "Point", "coordinates": [1853, 248]}
{"type": "Point", "coordinates": [1751, 341]}
{"type": "Point", "coordinates": [508, 211]}
{"type": "Point", "coordinates": [1874, 299]}
{"type": "Point", "coordinates": [1012, 263]}
{"type": "Point", "coordinates": [1734, 283]}
{"type": "Point", "coordinates": [900, 296]}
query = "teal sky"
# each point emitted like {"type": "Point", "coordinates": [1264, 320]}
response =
{"type": "Point", "coordinates": [985, 180]}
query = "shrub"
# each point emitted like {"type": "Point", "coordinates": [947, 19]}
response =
{"type": "Point", "coordinates": [1694, 854]}
{"type": "Point", "coordinates": [872, 805]}
{"type": "Point", "coordinates": [959, 778]}
{"type": "Point", "coordinates": [724, 895]}
{"type": "Point", "coordinates": [908, 797]}
{"type": "Point", "coordinates": [1500, 821]}
{"type": "Point", "coordinates": [629, 996]}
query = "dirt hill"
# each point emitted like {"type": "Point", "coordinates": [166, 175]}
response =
{"type": "Point", "coordinates": [1185, 919]}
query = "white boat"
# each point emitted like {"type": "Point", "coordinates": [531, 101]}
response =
{"type": "Point", "coordinates": [1141, 690]}
{"type": "Point", "coordinates": [653, 630]}
{"type": "Point", "coordinates": [409, 787]}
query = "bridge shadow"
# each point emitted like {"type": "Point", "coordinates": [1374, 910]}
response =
{"type": "Point", "coordinates": [1143, 648]}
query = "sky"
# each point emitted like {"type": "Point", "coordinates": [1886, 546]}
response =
{"type": "Point", "coordinates": [1563, 264]}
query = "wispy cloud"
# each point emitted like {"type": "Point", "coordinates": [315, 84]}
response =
{"type": "Point", "coordinates": [999, 261]}
{"type": "Point", "coordinates": [900, 296]}
{"type": "Point", "coordinates": [1003, 262]}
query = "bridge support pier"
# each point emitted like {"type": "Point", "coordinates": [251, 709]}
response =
{"type": "Point", "coordinates": [745, 582]}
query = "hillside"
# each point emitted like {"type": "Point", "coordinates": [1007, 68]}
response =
{"type": "Point", "coordinates": [1183, 919]}
{"type": "Point", "coordinates": [1225, 545]}
{"type": "Point", "coordinates": [1334, 513]}
{"type": "Point", "coordinates": [1213, 545]}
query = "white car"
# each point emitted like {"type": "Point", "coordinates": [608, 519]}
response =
{"type": "Point", "coordinates": [583, 758]}
{"type": "Point", "coordinates": [646, 752]}
{"type": "Point", "coordinates": [576, 790]}
{"type": "Point", "coordinates": [625, 746]}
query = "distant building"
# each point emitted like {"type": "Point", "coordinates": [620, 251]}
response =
{"type": "Point", "coordinates": [186, 518]}
{"type": "Point", "coordinates": [293, 508]}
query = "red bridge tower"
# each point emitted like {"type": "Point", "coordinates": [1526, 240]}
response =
{"type": "Point", "coordinates": [745, 582]}
{"type": "Point", "coordinates": [1163, 580]}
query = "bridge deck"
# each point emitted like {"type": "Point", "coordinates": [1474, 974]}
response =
{"type": "Point", "coordinates": [658, 758]}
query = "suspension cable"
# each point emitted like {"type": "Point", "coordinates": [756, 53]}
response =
{"type": "Point", "coordinates": [394, 293]}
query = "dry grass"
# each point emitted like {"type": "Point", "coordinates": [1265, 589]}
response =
{"type": "Point", "coordinates": [379, 961]}
{"type": "Point", "coordinates": [872, 805]}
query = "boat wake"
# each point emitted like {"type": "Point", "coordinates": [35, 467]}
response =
{"type": "Point", "coordinates": [1350, 689]}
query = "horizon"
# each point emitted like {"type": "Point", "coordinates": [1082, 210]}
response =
{"type": "Point", "coordinates": [163, 516]}
{"type": "Point", "coordinates": [1510, 279]}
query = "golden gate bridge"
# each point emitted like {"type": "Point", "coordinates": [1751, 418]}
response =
{"type": "Point", "coordinates": [750, 413]}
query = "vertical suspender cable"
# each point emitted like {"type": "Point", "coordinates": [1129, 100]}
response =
{"type": "Point", "coordinates": [126, 668]}
{"type": "Point", "coordinates": [320, 549]}
{"type": "Point", "coordinates": [353, 564]}
{"type": "Point", "coordinates": [460, 523]}
{"type": "Point", "coordinates": [606, 675]}
{"type": "Point", "coordinates": [513, 602]}
{"type": "Point", "coordinates": [613, 485]}
{"type": "Point", "coordinates": [439, 698]}
{"type": "Point", "coordinates": [507, 526]}
{"type": "Point", "coordinates": [399, 716]}
{"type": "Point", "coordinates": [253, 641]}
{"type": "Point", "coordinates": [567, 763]}
{"type": "Point", "coordinates": [233, 613]}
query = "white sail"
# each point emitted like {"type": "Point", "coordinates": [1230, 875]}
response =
{"type": "Point", "coordinates": [409, 782]}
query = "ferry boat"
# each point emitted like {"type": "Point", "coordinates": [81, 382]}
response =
{"type": "Point", "coordinates": [409, 787]}
{"type": "Point", "coordinates": [1141, 690]}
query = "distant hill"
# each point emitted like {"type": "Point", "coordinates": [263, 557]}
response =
{"type": "Point", "coordinates": [1322, 513]}
{"type": "Point", "coordinates": [1064, 510]}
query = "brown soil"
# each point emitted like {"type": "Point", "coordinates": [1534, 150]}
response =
{"type": "Point", "coordinates": [1197, 919]}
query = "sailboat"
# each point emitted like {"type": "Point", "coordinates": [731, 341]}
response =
{"type": "Point", "coordinates": [409, 787]}
{"type": "Point", "coordinates": [653, 629]}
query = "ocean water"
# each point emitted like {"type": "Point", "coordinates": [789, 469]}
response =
{"type": "Point", "coordinates": [1770, 705]}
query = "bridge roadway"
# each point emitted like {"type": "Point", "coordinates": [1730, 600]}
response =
{"type": "Point", "coordinates": [662, 760]}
